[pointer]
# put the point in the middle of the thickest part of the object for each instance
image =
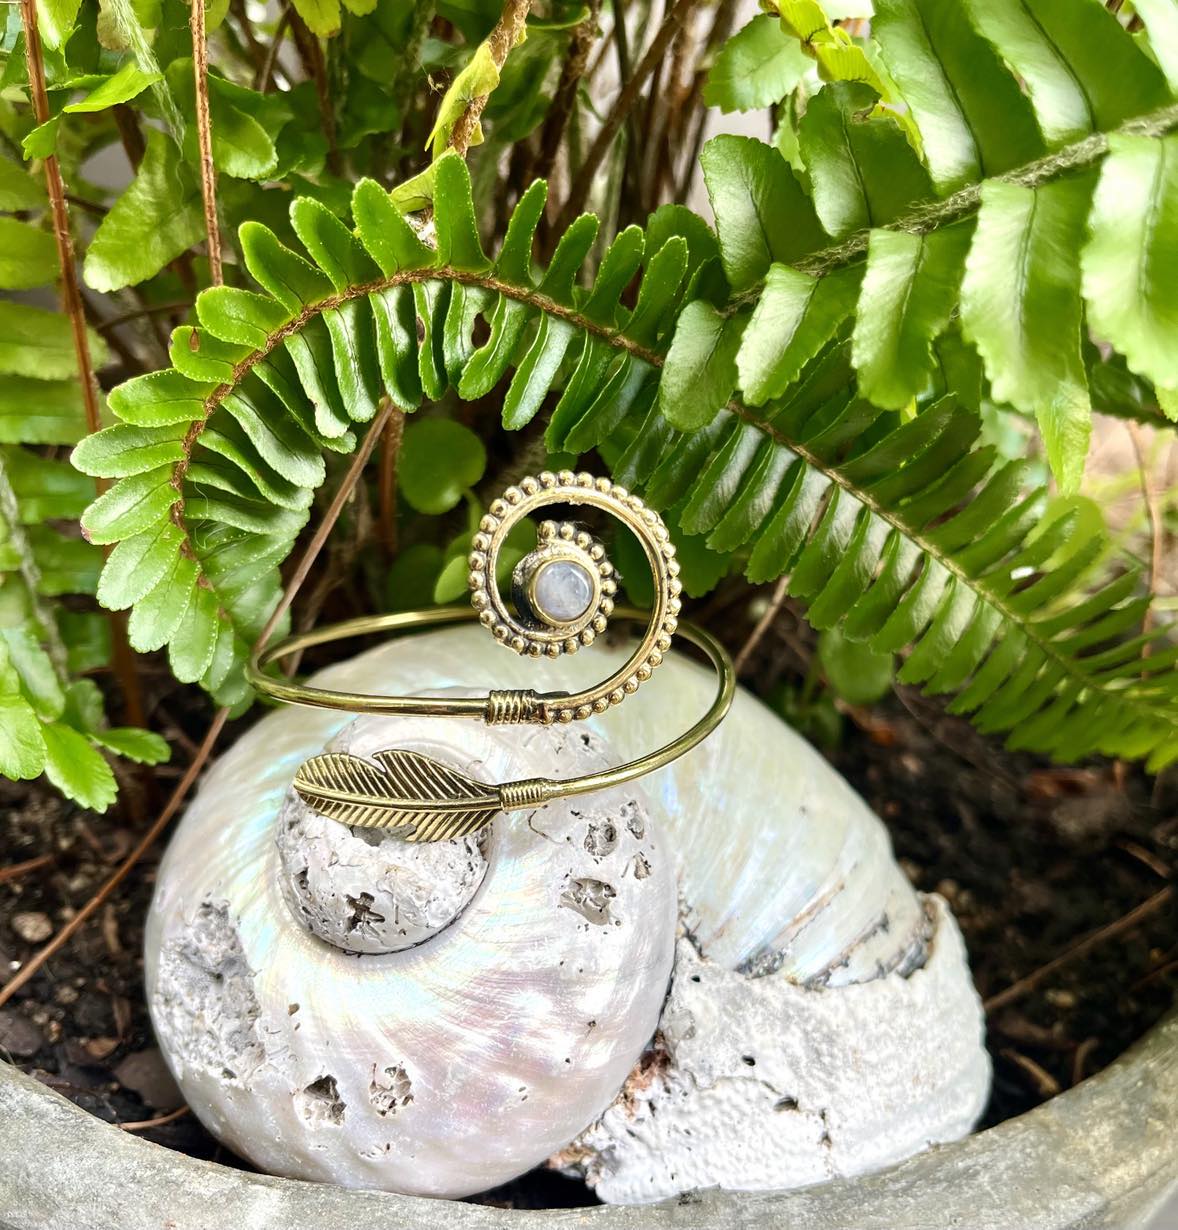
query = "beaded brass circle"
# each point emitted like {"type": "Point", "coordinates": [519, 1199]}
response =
{"type": "Point", "coordinates": [528, 631]}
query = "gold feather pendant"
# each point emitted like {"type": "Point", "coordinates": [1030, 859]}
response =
{"type": "Point", "coordinates": [409, 791]}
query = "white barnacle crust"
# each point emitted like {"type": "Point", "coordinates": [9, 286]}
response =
{"type": "Point", "coordinates": [760, 1084]}
{"type": "Point", "coordinates": [367, 890]}
{"type": "Point", "coordinates": [442, 1069]}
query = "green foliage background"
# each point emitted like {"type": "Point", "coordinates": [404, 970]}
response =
{"type": "Point", "coordinates": [967, 213]}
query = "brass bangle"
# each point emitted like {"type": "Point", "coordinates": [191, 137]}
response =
{"type": "Point", "coordinates": [438, 818]}
{"type": "Point", "coordinates": [563, 598]}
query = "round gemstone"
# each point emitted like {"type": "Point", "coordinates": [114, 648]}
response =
{"type": "Point", "coordinates": [562, 591]}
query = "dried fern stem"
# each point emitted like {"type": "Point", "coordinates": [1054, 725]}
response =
{"type": "Point", "coordinates": [204, 132]}
{"type": "Point", "coordinates": [508, 31]}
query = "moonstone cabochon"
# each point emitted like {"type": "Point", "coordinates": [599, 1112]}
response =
{"type": "Point", "coordinates": [563, 590]}
{"type": "Point", "coordinates": [442, 1070]}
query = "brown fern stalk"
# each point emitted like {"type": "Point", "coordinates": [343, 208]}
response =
{"type": "Point", "coordinates": [625, 102]}
{"type": "Point", "coordinates": [315, 66]}
{"type": "Point", "coordinates": [204, 133]}
{"type": "Point", "coordinates": [71, 296]}
{"type": "Point", "coordinates": [565, 97]}
{"type": "Point", "coordinates": [508, 31]}
{"type": "Point", "coordinates": [390, 450]}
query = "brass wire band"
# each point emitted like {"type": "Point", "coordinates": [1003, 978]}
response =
{"type": "Point", "coordinates": [514, 795]}
{"type": "Point", "coordinates": [512, 707]}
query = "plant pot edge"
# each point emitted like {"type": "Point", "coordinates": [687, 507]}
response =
{"type": "Point", "coordinates": [1104, 1154]}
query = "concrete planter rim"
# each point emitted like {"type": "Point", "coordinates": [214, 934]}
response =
{"type": "Point", "coordinates": [1104, 1154]}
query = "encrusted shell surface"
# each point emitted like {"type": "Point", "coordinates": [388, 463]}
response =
{"type": "Point", "coordinates": [444, 1069]}
{"type": "Point", "coordinates": [366, 890]}
{"type": "Point", "coordinates": [803, 947]}
{"type": "Point", "coordinates": [760, 1084]}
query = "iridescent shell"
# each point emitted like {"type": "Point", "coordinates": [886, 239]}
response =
{"type": "Point", "coordinates": [800, 933]}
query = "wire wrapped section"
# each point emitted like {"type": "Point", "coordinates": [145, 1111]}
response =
{"type": "Point", "coordinates": [512, 706]}
{"type": "Point", "coordinates": [518, 796]}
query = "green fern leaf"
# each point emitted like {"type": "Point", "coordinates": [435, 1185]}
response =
{"type": "Point", "coordinates": [910, 286]}
{"type": "Point", "coordinates": [1081, 69]}
{"type": "Point", "coordinates": [1130, 265]}
{"type": "Point", "coordinates": [702, 373]}
{"type": "Point", "coordinates": [796, 315]}
{"type": "Point", "coordinates": [862, 170]}
{"type": "Point", "coordinates": [762, 214]}
{"type": "Point", "coordinates": [1020, 305]}
{"type": "Point", "coordinates": [972, 116]}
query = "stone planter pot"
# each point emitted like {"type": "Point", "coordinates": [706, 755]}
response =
{"type": "Point", "coordinates": [1103, 1156]}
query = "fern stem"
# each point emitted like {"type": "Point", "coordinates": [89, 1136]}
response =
{"type": "Point", "coordinates": [266, 72]}
{"type": "Point", "coordinates": [253, 46]}
{"type": "Point", "coordinates": [204, 132]}
{"type": "Point", "coordinates": [390, 449]}
{"type": "Point", "coordinates": [690, 117]}
{"type": "Point", "coordinates": [583, 182]}
{"type": "Point", "coordinates": [402, 84]}
{"type": "Point", "coordinates": [1136, 916]}
{"type": "Point", "coordinates": [70, 293]}
{"type": "Point", "coordinates": [768, 617]}
{"type": "Point", "coordinates": [314, 65]}
{"type": "Point", "coordinates": [75, 309]}
{"type": "Point", "coordinates": [926, 218]}
{"type": "Point", "coordinates": [508, 31]}
{"type": "Point", "coordinates": [565, 98]}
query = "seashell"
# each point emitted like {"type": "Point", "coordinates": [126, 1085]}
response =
{"type": "Point", "coordinates": [440, 1069]}
{"type": "Point", "coordinates": [802, 947]}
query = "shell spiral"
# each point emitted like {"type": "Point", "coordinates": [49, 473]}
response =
{"type": "Point", "coordinates": [441, 1069]}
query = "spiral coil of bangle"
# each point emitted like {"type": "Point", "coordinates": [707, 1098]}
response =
{"type": "Point", "coordinates": [564, 597]}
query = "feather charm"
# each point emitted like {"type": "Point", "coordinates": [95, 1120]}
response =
{"type": "Point", "coordinates": [403, 790]}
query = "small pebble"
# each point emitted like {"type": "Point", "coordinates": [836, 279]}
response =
{"type": "Point", "coordinates": [32, 926]}
{"type": "Point", "coordinates": [18, 1035]}
{"type": "Point", "coordinates": [101, 1048]}
{"type": "Point", "coordinates": [146, 1074]}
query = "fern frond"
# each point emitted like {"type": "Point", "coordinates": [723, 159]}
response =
{"type": "Point", "coordinates": [51, 717]}
{"type": "Point", "coordinates": [896, 527]}
{"type": "Point", "coordinates": [1011, 103]}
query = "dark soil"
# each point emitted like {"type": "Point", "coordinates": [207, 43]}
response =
{"type": "Point", "coordinates": [1032, 858]}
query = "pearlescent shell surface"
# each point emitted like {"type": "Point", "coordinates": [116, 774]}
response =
{"type": "Point", "coordinates": [445, 1069]}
